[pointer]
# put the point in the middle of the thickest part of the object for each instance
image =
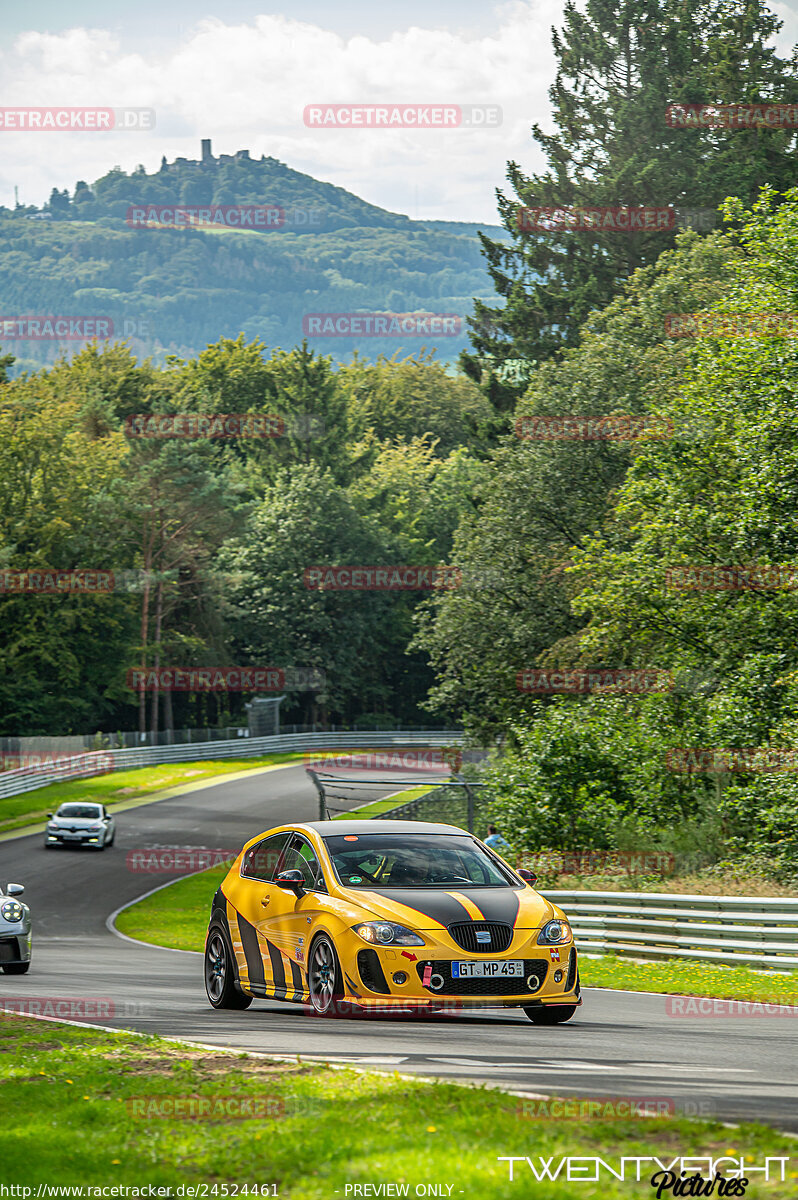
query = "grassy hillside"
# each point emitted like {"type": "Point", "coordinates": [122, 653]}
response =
{"type": "Point", "coordinates": [173, 290]}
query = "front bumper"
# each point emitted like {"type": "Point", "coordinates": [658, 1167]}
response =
{"type": "Point", "coordinates": [429, 982]}
{"type": "Point", "coordinates": [14, 949]}
{"type": "Point", "coordinates": [82, 838]}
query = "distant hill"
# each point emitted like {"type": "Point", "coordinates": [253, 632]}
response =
{"type": "Point", "coordinates": [174, 289]}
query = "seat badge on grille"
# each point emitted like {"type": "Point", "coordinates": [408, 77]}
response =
{"type": "Point", "coordinates": [483, 936]}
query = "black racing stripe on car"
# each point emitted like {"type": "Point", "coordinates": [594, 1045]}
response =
{"type": "Point", "coordinates": [278, 968]}
{"type": "Point", "coordinates": [296, 978]}
{"type": "Point", "coordinates": [352, 987]}
{"type": "Point", "coordinates": [249, 940]}
{"type": "Point", "coordinates": [497, 904]}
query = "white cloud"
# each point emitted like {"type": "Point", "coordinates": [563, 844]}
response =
{"type": "Point", "coordinates": [246, 87]}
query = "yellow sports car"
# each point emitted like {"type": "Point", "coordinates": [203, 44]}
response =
{"type": "Point", "coordinates": [356, 915]}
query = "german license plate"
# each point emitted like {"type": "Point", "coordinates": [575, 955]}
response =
{"type": "Point", "coordinates": [472, 970]}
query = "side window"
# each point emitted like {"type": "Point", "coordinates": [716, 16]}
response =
{"type": "Point", "coordinates": [260, 861]}
{"type": "Point", "coordinates": [300, 856]}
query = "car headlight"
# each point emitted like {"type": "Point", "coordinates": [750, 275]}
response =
{"type": "Point", "coordinates": [11, 910]}
{"type": "Point", "coordinates": [94, 828]}
{"type": "Point", "coordinates": [51, 825]}
{"type": "Point", "coordinates": [386, 933]}
{"type": "Point", "coordinates": [554, 933]}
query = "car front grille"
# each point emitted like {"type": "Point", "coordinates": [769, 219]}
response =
{"type": "Point", "coordinates": [465, 934]}
{"type": "Point", "coordinates": [496, 985]}
{"type": "Point", "coordinates": [9, 950]}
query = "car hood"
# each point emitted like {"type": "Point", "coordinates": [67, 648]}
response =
{"type": "Point", "coordinates": [76, 822]}
{"type": "Point", "coordinates": [431, 908]}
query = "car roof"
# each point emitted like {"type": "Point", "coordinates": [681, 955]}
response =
{"type": "Point", "coordinates": [327, 828]}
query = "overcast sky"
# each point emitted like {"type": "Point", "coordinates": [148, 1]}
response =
{"type": "Point", "coordinates": [244, 78]}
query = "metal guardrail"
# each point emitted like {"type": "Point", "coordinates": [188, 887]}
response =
{"type": "Point", "coordinates": [732, 930]}
{"type": "Point", "coordinates": [100, 762]}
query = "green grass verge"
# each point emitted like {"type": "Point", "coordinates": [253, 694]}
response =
{"type": "Point", "coordinates": [78, 1109]}
{"type": "Point", "coordinates": [30, 807]}
{"type": "Point", "coordinates": [380, 806]}
{"type": "Point", "coordinates": [177, 916]}
{"type": "Point", "coordinates": [689, 979]}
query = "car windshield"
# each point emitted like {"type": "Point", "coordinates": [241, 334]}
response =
{"type": "Point", "coordinates": [79, 810]}
{"type": "Point", "coordinates": [411, 860]}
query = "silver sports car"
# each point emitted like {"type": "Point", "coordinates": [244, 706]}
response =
{"type": "Point", "coordinates": [14, 931]}
{"type": "Point", "coordinates": [80, 823]}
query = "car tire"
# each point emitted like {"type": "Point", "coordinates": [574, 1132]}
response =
{"type": "Point", "coordinates": [325, 981]}
{"type": "Point", "coordinates": [16, 968]}
{"type": "Point", "coordinates": [219, 971]}
{"type": "Point", "coordinates": [550, 1014]}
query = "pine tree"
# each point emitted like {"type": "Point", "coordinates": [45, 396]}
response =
{"type": "Point", "coordinates": [620, 66]}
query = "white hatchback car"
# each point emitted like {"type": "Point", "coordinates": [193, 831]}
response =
{"type": "Point", "coordinates": [80, 823]}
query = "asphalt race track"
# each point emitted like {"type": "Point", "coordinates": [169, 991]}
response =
{"type": "Point", "coordinates": [619, 1043]}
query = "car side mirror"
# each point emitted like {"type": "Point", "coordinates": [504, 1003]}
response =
{"type": "Point", "coordinates": [528, 876]}
{"type": "Point", "coordinates": [292, 881]}
{"type": "Point", "coordinates": [49, 816]}
{"type": "Point", "coordinates": [15, 889]}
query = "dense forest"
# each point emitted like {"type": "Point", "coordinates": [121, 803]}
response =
{"type": "Point", "coordinates": [566, 548]}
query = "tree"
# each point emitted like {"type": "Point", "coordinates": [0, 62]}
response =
{"type": "Point", "coordinates": [619, 67]}
{"type": "Point", "coordinates": [304, 520]}
{"type": "Point", "coordinates": [541, 499]}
